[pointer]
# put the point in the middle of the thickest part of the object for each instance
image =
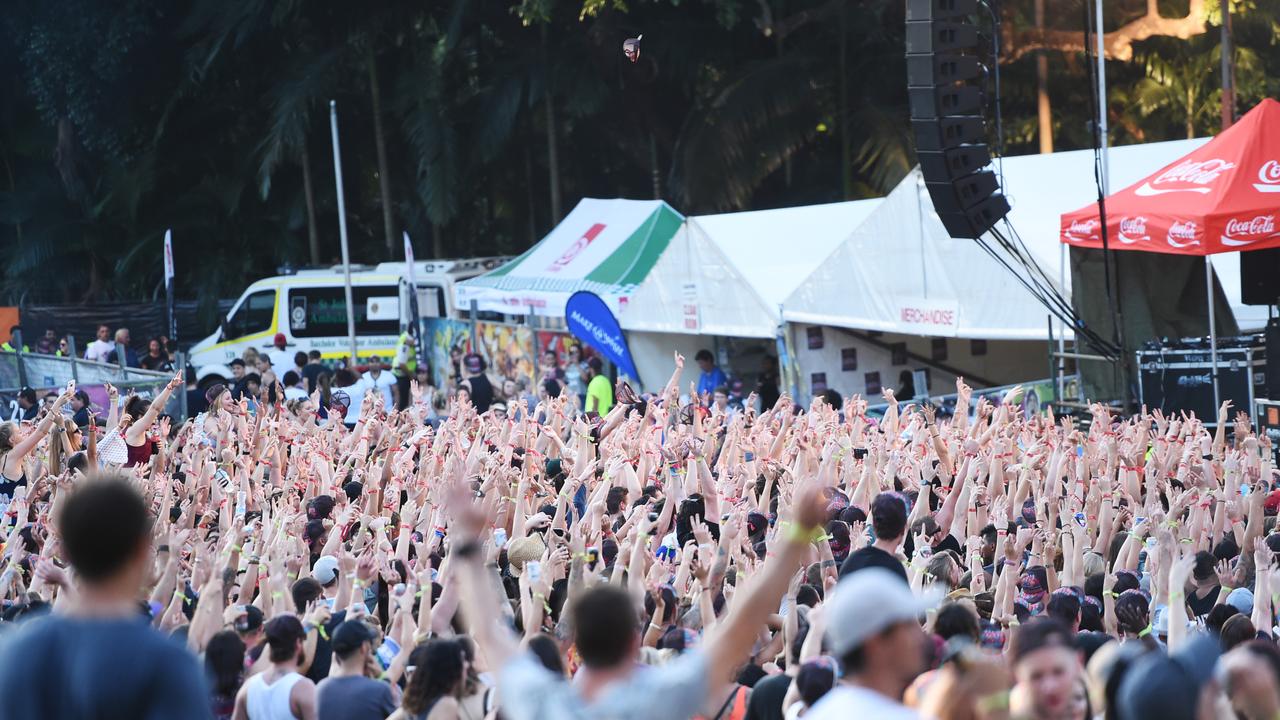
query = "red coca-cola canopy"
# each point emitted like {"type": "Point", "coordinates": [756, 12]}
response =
{"type": "Point", "coordinates": [1222, 197]}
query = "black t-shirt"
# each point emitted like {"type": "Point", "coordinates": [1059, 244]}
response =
{"type": "Point", "coordinates": [311, 373]}
{"type": "Point", "coordinates": [160, 362]}
{"type": "Point", "coordinates": [949, 542]}
{"type": "Point", "coordinates": [319, 669]}
{"type": "Point", "coordinates": [767, 389]}
{"type": "Point", "coordinates": [1200, 606]}
{"type": "Point", "coordinates": [60, 667]}
{"type": "Point", "coordinates": [481, 392]}
{"type": "Point", "coordinates": [766, 698]}
{"type": "Point", "coordinates": [872, 556]}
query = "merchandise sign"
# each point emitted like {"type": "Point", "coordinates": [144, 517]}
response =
{"type": "Point", "coordinates": [930, 317]}
{"type": "Point", "coordinates": [590, 320]}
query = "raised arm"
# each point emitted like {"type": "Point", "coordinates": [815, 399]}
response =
{"type": "Point", "coordinates": [733, 638]}
{"type": "Point", "coordinates": [13, 459]}
{"type": "Point", "coordinates": [140, 426]}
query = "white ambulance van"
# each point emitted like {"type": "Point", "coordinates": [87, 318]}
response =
{"type": "Point", "coordinates": [310, 309]}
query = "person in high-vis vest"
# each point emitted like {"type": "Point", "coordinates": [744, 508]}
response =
{"type": "Point", "coordinates": [8, 345]}
{"type": "Point", "coordinates": [404, 366]}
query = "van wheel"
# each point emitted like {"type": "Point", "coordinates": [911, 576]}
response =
{"type": "Point", "coordinates": [209, 382]}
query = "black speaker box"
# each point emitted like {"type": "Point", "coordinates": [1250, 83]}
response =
{"type": "Point", "coordinates": [932, 102]}
{"type": "Point", "coordinates": [1260, 277]}
{"type": "Point", "coordinates": [964, 193]}
{"type": "Point", "coordinates": [948, 132]}
{"type": "Point", "coordinates": [940, 9]}
{"type": "Point", "coordinates": [937, 37]}
{"type": "Point", "coordinates": [930, 70]}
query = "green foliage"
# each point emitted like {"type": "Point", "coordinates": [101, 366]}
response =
{"type": "Point", "coordinates": [126, 117]}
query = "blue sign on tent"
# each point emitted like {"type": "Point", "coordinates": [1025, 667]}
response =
{"type": "Point", "coordinates": [590, 320]}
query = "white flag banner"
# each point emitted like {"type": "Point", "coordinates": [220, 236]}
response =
{"type": "Point", "coordinates": [168, 256]}
{"type": "Point", "coordinates": [408, 258]}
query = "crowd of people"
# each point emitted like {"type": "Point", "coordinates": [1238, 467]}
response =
{"type": "Point", "coordinates": [359, 554]}
{"type": "Point", "coordinates": [104, 348]}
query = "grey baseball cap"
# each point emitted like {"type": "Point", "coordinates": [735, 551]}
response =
{"type": "Point", "coordinates": [867, 602]}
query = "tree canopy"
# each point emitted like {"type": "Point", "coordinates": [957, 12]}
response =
{"type": "Point", "coordinates": [475, 126]}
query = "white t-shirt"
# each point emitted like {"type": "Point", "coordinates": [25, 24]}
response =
{"type": "Point", "coordinates": [356, 393]}
{"type": "Point", "coordinates": [281, 361]}
{"type": "Point", "coordinates": [384, 383]}
{"type": "Point", "coordinates": [295, 393]}
{"type": "Point", "coordinates": [848, 701]}
{"type": "Point", "coordinates": [98, 350]}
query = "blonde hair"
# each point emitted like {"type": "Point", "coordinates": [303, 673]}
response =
{"type": "Point", "coordinates": [7, 431]}
{"type": "Point", "coordinates": [1094, 564]}
{"type": "Point", "coordinates": [250, 356]}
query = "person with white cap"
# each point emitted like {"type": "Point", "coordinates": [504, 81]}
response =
{"type": "Point", "coordinates": [874, 630]}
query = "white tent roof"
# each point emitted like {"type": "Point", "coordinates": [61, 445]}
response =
{"type": "Point", "coordinates": [728, 274]}
{"type": "Point", "coordinates": [605, 246]}
{"type": "Point", "coordinates": [1041, 188]}
{"type": "Point", "coordinates": [886, 267]}
{"type": "Point", "coordinates": [900, 272]}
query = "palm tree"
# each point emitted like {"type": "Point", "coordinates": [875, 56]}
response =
{"type": "Point", "coordinates": [1183, 80]}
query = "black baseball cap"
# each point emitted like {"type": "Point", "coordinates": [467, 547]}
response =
{"type": "Point", "coordinates": [350, 634]}
{"type": "Point", "coordinates": [252, 620]}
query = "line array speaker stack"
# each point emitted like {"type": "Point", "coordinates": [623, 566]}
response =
{"type": "Point", "coordinates": [947, 115]}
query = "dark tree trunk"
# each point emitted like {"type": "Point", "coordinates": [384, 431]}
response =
{"type": "Point", "coordinates": [313, 237]}
{"type": "Point", "coordinates": [379, 139]}
{"type": "Point", "coordinates": [553, 151]}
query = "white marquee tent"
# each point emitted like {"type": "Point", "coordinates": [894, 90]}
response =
{"type": "Point", "coordinates": [900, 271]}
{"type": "Point", "coordinates": [728, 274]}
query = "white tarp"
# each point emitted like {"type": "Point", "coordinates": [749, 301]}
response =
{"type": "Point", "coordinates": [729, 274]}
{"type": "Point", "coordinates": [901, 272]}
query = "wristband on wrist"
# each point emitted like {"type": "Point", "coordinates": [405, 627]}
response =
{"type": "Point", "coordinates": [994, 702]}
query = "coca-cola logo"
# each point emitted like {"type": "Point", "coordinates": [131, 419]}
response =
{"type": "Point", "coordinates": [1183, 234]}
{"type": "Point", "coordinates": [1187, 176]}
{"type": "Point", "coordinates": [1240, 232]}
{"type": "Point", "coordinates": [1268, 177]}
{"type": "Point", "coordinates": [1082, 230]}
{"type": "Point", "coordinates": [1133, 229]}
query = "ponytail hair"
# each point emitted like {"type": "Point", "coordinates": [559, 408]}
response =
{"type": "Point", "coordinates": [136, 406]}
{"type": "Point", "coordinates": [7, 431]}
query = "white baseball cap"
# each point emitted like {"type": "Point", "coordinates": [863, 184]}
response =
{"type": "Point", "coordinates": [325, 569]}
{"type": "Point", "coordinates": [866, 602]}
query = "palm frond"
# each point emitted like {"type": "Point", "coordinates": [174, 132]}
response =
{"type": "Point", "coordinates": [291, 107]}
{"type": "Point", "coordinates": [758, 121]}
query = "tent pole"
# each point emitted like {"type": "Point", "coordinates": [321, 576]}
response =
{"type": "Point", "coordinates": [342, 227]}
{"type": "Point", "coordinates": [1213, 331]}
{"type": "Point", "coordinates": [1062, 326]}
{"type": "Point", "coordinates": [1102, 101]}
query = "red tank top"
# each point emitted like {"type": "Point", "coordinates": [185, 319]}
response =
{"type": "Point", "coordinates": [141, 454]}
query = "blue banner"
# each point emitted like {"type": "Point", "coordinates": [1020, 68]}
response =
{"type": "Point", "coordinates": [590, 320]}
